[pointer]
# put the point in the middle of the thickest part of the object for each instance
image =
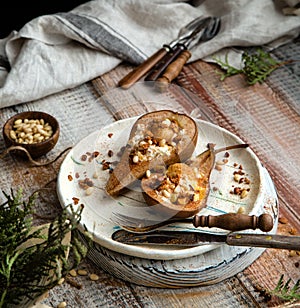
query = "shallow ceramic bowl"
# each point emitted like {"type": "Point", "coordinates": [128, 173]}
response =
{"type": "Point", "coordinates": [34, 149]}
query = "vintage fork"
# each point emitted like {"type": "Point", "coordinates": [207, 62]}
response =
{"type": "Point", "coordinates": [181, 54]}
{"type": "Point", "coordinates": [165, 75]}
{"type": "Point", "coordinates": [229, 221]}
{"type": "Point", "coordinates": [185, 33]}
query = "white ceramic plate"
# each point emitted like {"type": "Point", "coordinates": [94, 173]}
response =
{"type": "Point", "coordinates": [85, 163]}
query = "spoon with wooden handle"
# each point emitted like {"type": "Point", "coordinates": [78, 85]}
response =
{"type": "Point", "coordinates": [229, 221]}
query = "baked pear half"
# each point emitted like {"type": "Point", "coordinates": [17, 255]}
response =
{"type": "Point", "coordinates": [158, 138]}
{"type": "Point", "coordinates": [182, 189]}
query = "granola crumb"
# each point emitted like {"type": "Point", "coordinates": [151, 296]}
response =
{"type": "Point", "coordinates": [283, 220]}
{"type": "Point", "coordinates": [110, 153]}
{"type": "Point", "coordinates": [293, 231]}
{"type": "Point", "coordinates": [83, 157]}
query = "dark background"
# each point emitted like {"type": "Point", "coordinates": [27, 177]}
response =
{"type": "Point", "coordinates": [14, 14]}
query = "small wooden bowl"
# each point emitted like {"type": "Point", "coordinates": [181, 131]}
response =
{"type": "Point", "coordinates": [35, 149]}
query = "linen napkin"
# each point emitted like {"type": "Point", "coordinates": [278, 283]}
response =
{"type": "Point", "coordinates": [55, 52]}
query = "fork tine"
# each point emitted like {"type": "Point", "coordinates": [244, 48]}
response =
{"type": "Point", "coordinates": [132, 222]}
{"type": "Point", "coordinates": [143, 225]}
{"type": "Point", "coordinates": [212, 29]}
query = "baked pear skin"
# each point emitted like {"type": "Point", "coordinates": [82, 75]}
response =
{"type": "Point", "coordinates": [159, 138]}
{"type": "Point", "coordinates": [182, 189]}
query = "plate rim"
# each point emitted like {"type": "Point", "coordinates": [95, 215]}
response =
{"type": "Point", "coordinates": [149, 252]}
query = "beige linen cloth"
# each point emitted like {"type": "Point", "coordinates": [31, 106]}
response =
{"type": "Point", "coordinates": [55, 52]}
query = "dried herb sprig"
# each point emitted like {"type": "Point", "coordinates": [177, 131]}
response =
{"type": "Point", "coordinates": [256, 67]}
{"type": "Point", "coordinates": [28, 255]}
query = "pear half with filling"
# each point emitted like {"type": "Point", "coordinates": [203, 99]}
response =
{"type": "Point", "coordinates": [161, 137]}
{"type": "Point", "coordinates": [182, 189]}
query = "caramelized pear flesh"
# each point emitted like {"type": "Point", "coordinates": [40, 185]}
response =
{"type": "Point", "coordinates": [183, 188]}
{"type": "Point", "coordinates": [157, 138]}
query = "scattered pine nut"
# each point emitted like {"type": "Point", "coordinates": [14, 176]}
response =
{"type": "Point", "coordinates": [135, 159]}
{"type": "Point", "coordinates": [218, 167]}
{"type": "Point", "coordinates": [236, 177]}
{"type": "Point", "coordinates": [94, 277]}
{"type": "Point", "coordinates": [89, 191]}
{"type": "Point", "coordinates": [244, 194]}
{"type": "Point", "coordinates": [61, 281]}
{"type": "Point", "coordinates": [62, 305]}
{"type": "Point", "coordinates": [148, 173]}
{"type": "Point", "coordinates": [82, 272]}
{"type": "Point", "coordinates": [73, 273]}
{"type": "Point", "coordinates": [241, 210]}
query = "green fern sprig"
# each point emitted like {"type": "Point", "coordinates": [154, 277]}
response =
{"type": "Point", "coordinates": [284, 291]}
{"type": "Point", "coordinates": [24, 269]}
{"type": "Point", "coordinates": [256, 67]}
{"type": "Point", "coordinates": [228, 70]}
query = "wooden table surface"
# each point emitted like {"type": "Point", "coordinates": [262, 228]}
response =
{"type": "Point", "coordinates": [264, 115]}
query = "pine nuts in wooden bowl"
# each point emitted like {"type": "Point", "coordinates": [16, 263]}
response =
{"type": "Point", "coordinates": [36, 131]}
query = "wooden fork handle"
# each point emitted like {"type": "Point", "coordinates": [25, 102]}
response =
{"type": "Point", "coordinates": [172, 71]}
{"type": "Point", "coordinates": [163, 64]}
{"type": "Point", "coordinates": [142, 69]}
{"type": "Point", "coordinates": [235, 222]}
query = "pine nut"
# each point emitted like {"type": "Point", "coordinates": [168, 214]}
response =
{"type": "Point", "coordinates": [17, 122]}
{"type": "Point", "coordinates": [241, 210]}
{"type": "Point", "coordinates": [12, 134]}
{"type": "Point", "coordinates": [196, 197]}
{"type": "Point", "coordinates": [73, 272]}
{"type": "Point", "coordinates": [30, 131]}
{"type": "Point", "coordinates": [89, 191]}
{"type": "Point", "coordinates": [61, 281]}
{"type": "Point", "coordinates": [166, 193]}
{"type": "Point", "coordinates": [94, 277]}
{"type": "Point", "coordinates": [162, 142]}
{"type": "Point", "coordinates": [82, 272]}
{"type": "Point", "coordinates": [173, 198]}
{"type": "Point", "coordinates": [236, 177]}
{"type": "Point", "coordinates": [244, 194]}
{"type": "Point", "coordinates": [135, 159]}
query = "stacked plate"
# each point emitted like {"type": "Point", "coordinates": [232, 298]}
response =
{"type": "Point", "coordinates": [82, 179]}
